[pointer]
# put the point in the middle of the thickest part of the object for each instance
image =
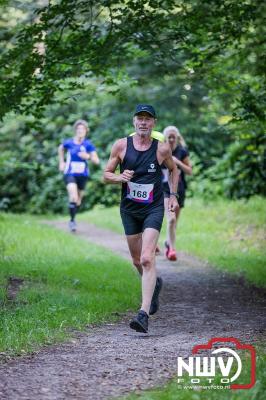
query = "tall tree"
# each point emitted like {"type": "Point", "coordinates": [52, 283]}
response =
{"type": "Point", "coordinates": [201, 62]}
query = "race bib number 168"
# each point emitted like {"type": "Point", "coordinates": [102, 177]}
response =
{"type": "Point", "coordinates": [139, 192]}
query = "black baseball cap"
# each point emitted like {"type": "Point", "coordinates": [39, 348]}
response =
{"type": "Point", "coordinates": [145, 108]}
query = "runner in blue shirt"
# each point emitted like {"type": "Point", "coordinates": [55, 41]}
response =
{"type": "Point", "coordinates": [75, 168]}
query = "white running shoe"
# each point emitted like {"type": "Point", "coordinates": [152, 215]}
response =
{"type": "Point", "coordinates": [72, 226]}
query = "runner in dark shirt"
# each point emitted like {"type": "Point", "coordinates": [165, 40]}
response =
{"type": "Point", "coordinates": [181, 158]}
{"type": "Point", "coordinates": [142, 203]}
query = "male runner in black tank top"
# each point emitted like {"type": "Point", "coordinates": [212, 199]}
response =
{"type": "Point", "coordinates": [142, 206]}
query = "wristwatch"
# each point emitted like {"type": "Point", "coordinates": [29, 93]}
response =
{"type": "Point", "coordinates": [174, 194]}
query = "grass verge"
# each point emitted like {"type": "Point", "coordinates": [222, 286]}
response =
{"type": "Point", "coordinates": [228, 234]}
{"type": "Point", "coordinates": [67, 283]}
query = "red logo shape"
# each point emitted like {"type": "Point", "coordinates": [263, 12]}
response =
{"type": "Point", "coordinates": [238, 346]}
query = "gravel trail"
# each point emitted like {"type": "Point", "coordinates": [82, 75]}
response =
{"type": "Point", "coordinates": [197, 303]}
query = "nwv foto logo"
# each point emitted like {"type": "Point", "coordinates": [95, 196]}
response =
{"type": "Point", "coordinates": [223, 360]}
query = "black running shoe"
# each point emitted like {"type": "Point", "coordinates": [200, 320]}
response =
{"type": "Point", "coordinates": [155, 297]}
{"type": "Point", "coordinates": [140, 322]}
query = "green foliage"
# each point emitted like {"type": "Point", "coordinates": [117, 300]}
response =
{"type": "Point", "coordinates": [83, 37]}
{"type": "Point", "coordinates": [241, 172]}
{"type": "Point", "coordinates": [200, 63]}
{"type": "Point", "coordinates": [29, 161]}
{"type": "Point", "coordinates": [29, 174]}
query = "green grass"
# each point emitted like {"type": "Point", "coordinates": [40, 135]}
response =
{"type": "Point", "coordinates": [228, 234]}
{"type": "Point", "coordinates": [172, 391]}
{"type": "Point", "coordinates": [68, 283]}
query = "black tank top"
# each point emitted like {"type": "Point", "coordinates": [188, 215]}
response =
{"type": "Point", "coordinates": [180, 153]}
{"type": "Point", "coordinates": [144, 192]}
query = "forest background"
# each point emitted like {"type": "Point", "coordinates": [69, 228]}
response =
{"type": "Point", "coordinates": [200, 63]}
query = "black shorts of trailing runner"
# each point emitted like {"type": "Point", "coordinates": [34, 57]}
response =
{"type": "Point", "coordinates": [79, 180]}
{"type": "Point", "coordinates": [135, 223]}
{"type": "Point", "coordinates": [181, 195]}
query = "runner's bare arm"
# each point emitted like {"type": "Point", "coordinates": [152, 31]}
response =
{"type": "Point", "coordinates": [61, 158]}
{"type": "Point", "coordinates": [94, 158]}
{"type": "Point", "coordinates": [165, 155]}
{"type": "Point", "coordinates": [173, 173]}
{"type": "Point", "coordinates": [109, 174]}
{"type": "Point", "coordinates": [84, 155]}
{"type": "Point", "coordinates": [185, 165]}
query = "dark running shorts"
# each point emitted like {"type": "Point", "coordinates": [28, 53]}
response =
{"type": "Point", "coordinates": [79, 180]}
{"type": "Point", "coordinates": [181, 198]}
{"type": "Point", "coordinates": [136, 223]}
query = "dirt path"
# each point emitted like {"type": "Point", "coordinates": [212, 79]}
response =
{"type": "Point", "coordinates": [197, 303]}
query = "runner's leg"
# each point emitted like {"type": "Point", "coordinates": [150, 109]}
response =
{"type": "Point", "coordinates": [150, 238]}
{"type": "Point", "coordinates": [171, 227]}
{"type": "Point", "coordinates": [72, 190]}
{"type": "Point", "coordinates": [172, 218]}
{"type": "Point", "coordinates": [80, 197]}
{"type": "Point", "coordinates": [134, 244]}
{"type": "Point", "coordinates": [177, 213]}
